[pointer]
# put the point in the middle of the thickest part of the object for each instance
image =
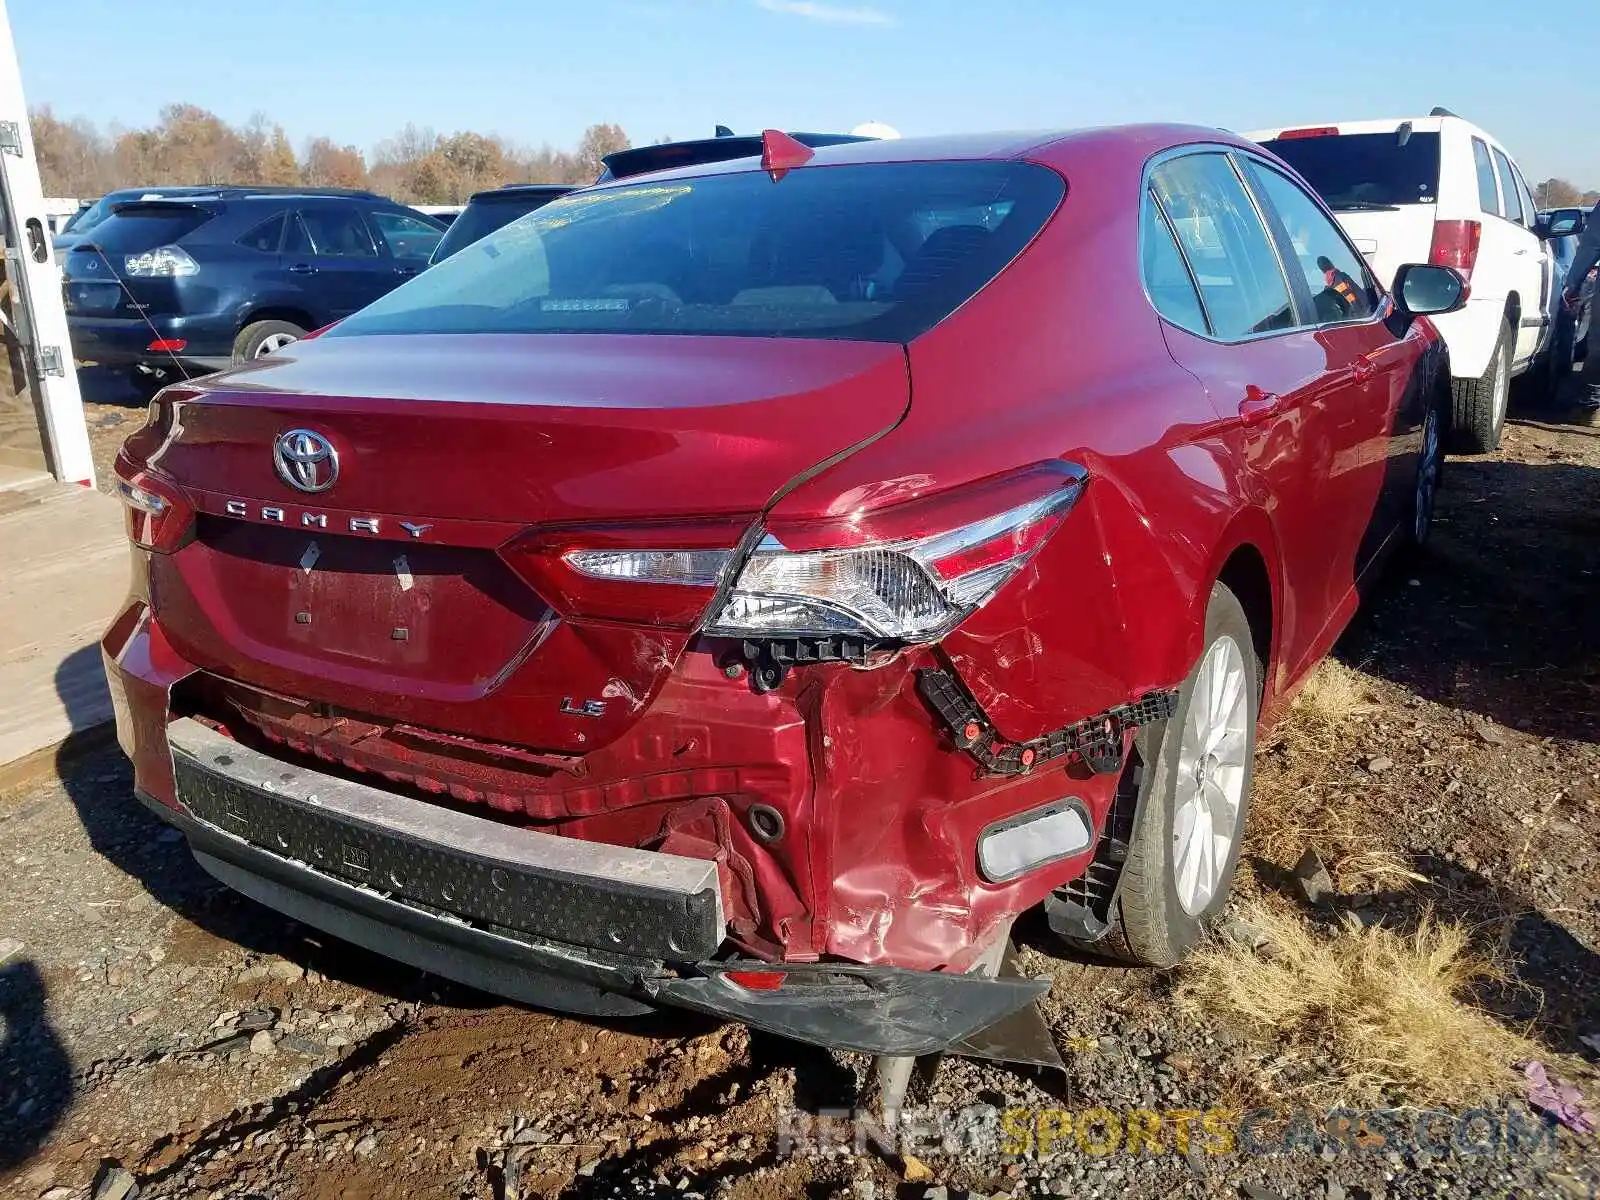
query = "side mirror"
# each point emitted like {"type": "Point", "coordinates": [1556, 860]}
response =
{"type": "Point", "coordinates": [1564, 225]}
{"type": "Point", "coordinates": [1424, 290]}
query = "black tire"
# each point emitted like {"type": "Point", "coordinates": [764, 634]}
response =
{"type": "Point", "coordinates": [259, 338]}
{"type": "Point", "coordinates": [1149, 925]}
{"type": "Point", "coordinates": [1479, 405]}
{"type": "Point", "coordinates": [1555, 368]}
{"type": "Point", "coordinates": [1425, 489]}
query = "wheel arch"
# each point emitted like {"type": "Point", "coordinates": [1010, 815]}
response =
{"type": "Point", "coordinates": [277, 312]}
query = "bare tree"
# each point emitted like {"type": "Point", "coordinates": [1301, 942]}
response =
{"type": "Point", "coordinates": [597, 142]}
{"type": "Point", "coordinates": [189, 144]}
{"type": "Point", "coordinates": [1556, 193]}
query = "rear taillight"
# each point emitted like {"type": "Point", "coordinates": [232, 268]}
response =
{"type": "Point", "coordinates": [160, 516]}
{"type": "Point", "coordinates": [663, 575]}
{"type": "Point", "coordinates": [164, 262]}
{"type": "Point", "coordinates": [930, 572]}
{"type": "Point", "coordinates": [1290, 135]}
{"type": "Point", "coordinates": [1455, 244]}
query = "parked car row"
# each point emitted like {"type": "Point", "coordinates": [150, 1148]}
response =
{"type": "Point", "coordinates": [1440, 189]}
{"type": "Point", "coordinates": [751, 585]}
{"type": "Point", "coordinates": [244, 271]}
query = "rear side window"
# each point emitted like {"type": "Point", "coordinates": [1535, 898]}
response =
{"type": "Point", "coordinates": [266, 237]}
{"type": "Point", "coordinates": [1357, 171]}
{"type": "Point", "coordinates": [877, 251]}
{"type": "Point", "coordinates": [482, 217]}
{"type": "Point", "coordinates": [1341, 288]}
{"type": "Point", "coordinates": [1166, 278]}
{"type": "Point", "coordinates": [1225, 244]}
{"type": "Point", "coordinates": [137, 227]}
{"type": "Point", "coordinates": [1508, 187]}
{"type": "Point", "coordinates": [1488, 194]}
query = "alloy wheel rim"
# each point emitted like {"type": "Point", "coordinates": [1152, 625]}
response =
{"type": "Point", "coordinates": [273, 341]}
{"type": "Point", "coordinates": [1213, 752]}
{"type": "Point", "coordinates": [1427, 475]}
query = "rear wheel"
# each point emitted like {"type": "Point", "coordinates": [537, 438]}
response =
{"type": "Point", "coordinates": [1480, 404]}
{"type": "Point", "coordinates": [1193, 800]}
{"type": "Point", "coordinates": [262, 338]}
{"type": "Point", "coordinates": [1430, 464]}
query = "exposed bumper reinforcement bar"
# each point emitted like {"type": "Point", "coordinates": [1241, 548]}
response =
{"type": "Point", "coordinates": [474, 901]}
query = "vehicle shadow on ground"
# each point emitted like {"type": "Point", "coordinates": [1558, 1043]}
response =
{"type": "Point", "coordinates": [36, 1077]}
{"type": "Point", "coordinates": [1500, 615]}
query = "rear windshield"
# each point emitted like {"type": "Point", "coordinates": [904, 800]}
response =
{"type": "Point", "coordinates": [136, 227]}
{"type": "Point", "coordinates": [482, 217]}
{"type": "Point", "coordinates": [876, 252]}
{"type": "Point", "coordinates": [1354, 171]}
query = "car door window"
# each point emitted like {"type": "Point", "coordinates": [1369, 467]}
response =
{"type": "Point", "coordinates": [1227, 248]}
{"type": "Point", "coordinates": [1508, 187]}
{"type": "Point", "coordinates": [1488, 194]}
{"type": "Point", "coordinates": [338, 232]}
{"type": "Point", "coordinates": [1529, 208]}
{"type": "Point", "coordinates": [1341, 287]}
{"type": "Point", "coordinates": [405, 236]}
{"type": "Point", "coordinates": [1166, 276]}
{"type": "Point", "coordinates": [295, 239]}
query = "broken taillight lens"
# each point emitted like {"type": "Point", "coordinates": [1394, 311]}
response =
{"type": "Point", "coordinates": [903, 588]}
{"type": "Point", "coordinates": [160, 516]}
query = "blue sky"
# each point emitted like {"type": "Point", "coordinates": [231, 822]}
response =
{"type": "Point", "coordinates": [539, 71]}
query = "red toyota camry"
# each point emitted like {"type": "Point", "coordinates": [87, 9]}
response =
{"type": "Point", "coordinates": [749, 588]}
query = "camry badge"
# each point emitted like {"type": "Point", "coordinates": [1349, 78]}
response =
{"type": "Point", "coordinates": [305, 460]}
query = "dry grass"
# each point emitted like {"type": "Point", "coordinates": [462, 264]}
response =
{"type": "Point", "coordinates": [1333, 694]}
{"type": "Point", "coordinates": [1293, 807]}
{"type": "Point", "coordinates": [1381, 1010]}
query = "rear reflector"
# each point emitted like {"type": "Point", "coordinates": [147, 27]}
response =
{"type": "Point", "coordinates": [1289, 135]}
{"type": "Point", "coordinates": [1021, 844]}
{"type": "Point", "coordinates": [167, 345]}
{"type": "Point", "coordinates": [756, 981]}
{"type": "Point", "coordinates": [1455, 244]}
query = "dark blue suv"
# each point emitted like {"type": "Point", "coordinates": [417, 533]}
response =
{"type": "Point", "coordinates": [206, 281]}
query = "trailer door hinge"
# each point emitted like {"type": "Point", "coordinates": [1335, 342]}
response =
{"type": "Point", "coordinates": [51, 362]}
{"type": "Point", "coordinates": [11, 138]}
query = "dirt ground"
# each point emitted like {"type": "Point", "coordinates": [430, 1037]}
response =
{"type": "Point", "coordinates": [154, 1021]}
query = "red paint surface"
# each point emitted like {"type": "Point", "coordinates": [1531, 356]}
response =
{"type": "Point", "coordinates": [1297, 449]}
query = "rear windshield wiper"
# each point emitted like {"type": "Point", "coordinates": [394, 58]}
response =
{"type": "Point", "coordinates": [1364, 206]}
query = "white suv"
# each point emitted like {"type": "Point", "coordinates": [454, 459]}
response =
{"type": "Point", "coordinates": [1439, 189]}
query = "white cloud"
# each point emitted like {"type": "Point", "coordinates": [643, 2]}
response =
{"type": "Point", "coordinates": [832, 13]}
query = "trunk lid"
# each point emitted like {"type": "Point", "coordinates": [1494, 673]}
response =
{"type": "Point", "coordinates": [384, 593]}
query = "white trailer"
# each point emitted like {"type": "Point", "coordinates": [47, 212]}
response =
{"type": "Point", "coordinates": [41, 410]}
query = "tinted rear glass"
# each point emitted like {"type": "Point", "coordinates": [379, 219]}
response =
{"type": "Point", "coordinates": [1360, 170]}
{"type": "Point", "coordinates": [145, 226]}
{"type": "Point", "coordinates": [482, 217]}
{"type": "Point", "coordinates": [877, 252]}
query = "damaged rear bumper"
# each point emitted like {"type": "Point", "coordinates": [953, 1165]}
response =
{"type": "Point", "coordinates": [552, 921]}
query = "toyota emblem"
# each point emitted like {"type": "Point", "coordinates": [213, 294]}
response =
{"type": "Point", "coordinates": [305, 460]}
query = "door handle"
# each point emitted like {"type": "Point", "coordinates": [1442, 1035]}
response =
{"type": "Point", "coordinates": [1257, 406]}
{"type": "Point", "coordinates": [405, 270]}
{"type": "Point", "coordinates": [1521, 252]}
{"type": "Point", "coordinates": [302, 269]}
